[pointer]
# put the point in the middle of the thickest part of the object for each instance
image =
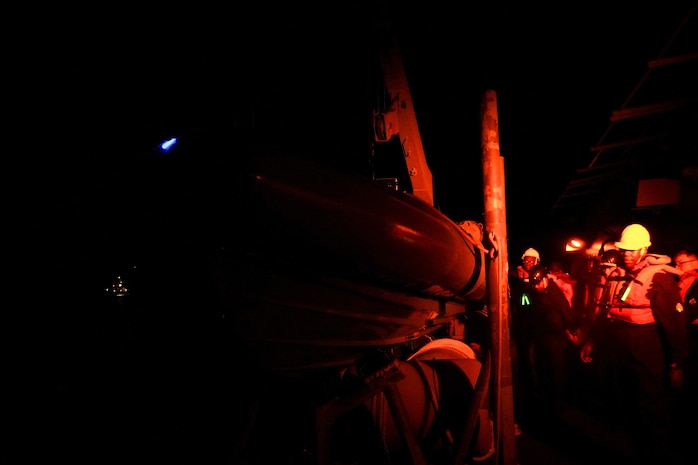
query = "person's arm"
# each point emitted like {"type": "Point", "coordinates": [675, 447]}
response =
{"type": "Point", "coordinates": [591, 332]}
{"type": "Point", "coordinates": [562, 306]}
{"type": "Point", "coordinates": [690, 304]}
{"type": "Point", "coordinates": [668, 312]}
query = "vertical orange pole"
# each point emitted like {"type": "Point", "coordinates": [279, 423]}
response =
{"type": "Point", "coordinates": [497, 283]}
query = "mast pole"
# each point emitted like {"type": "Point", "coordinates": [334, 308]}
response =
{"type": "Point", "coordinates": [498, 283]}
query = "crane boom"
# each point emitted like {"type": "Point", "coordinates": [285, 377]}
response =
{"type": "Point", "coordinates": [400, 121]}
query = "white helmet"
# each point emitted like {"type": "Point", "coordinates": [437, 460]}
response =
{"type": "Point", "coordinates": [634, 237]}
{"type": "Point", "coordinates": [531, 253]}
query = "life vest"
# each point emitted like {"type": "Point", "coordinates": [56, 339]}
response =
{"type": "Point", "coordinates": [629, 301]}
{"type": "Point", "coordinates": [605, 286]}
{"type": "Point", "coordinates": [524, 298]}
{"type": "Point", "coordinates": [521, 273]}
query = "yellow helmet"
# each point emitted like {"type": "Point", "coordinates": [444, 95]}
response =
{"type": "Point", "coordinates": [531, 253]}
{"type": "Point", "coordinates": [634, 237]}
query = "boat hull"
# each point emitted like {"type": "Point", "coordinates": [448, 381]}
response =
{"type": "Point", "coordinates": [332, 267]}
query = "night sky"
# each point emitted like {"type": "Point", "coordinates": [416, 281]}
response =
{"type": "Point", "coordinates": [118, 82]}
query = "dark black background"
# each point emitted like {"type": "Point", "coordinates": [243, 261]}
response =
{"type": "Point", "coordinates": [113, 82]}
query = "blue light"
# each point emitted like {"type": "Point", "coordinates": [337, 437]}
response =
{"type": "Point", "coordinates": [168, 144]}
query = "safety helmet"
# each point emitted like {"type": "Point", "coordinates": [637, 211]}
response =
{"type": "Point", "coordinates": [611, 257]}
{"type": "Point", "coordinates": [634, 237]}
{"type": "Point", "coordinates": [531, 253]}
{"type": "Point", "coordinates": [537, 273]}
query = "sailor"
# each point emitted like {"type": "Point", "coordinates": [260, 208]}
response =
{"type": "Point", "coordinates": [520, 296]}
{"type": "Point", "coordinates": [644, 337]}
